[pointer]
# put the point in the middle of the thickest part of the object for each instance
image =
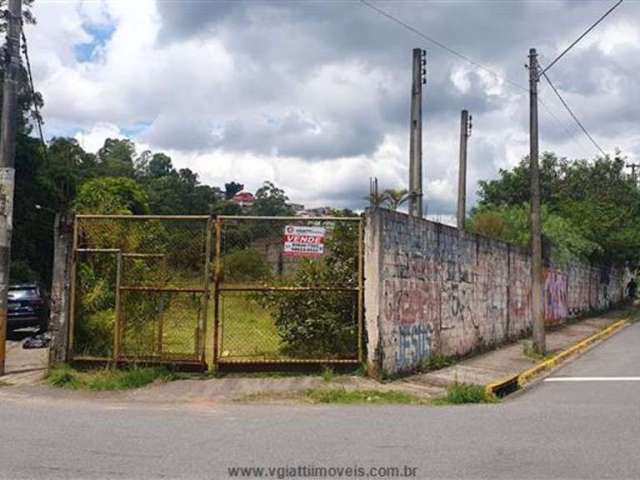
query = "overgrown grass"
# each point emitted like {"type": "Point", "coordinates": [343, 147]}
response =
{"type": "Point", "coordinates": [529, 351]}
{"type": "Point", "coordinates": [436, 362]}
{"type": "Point", "coordinates": [328, 374]}
{"type": "Point", "coordinates": [369, 397]}
{"type": "Point", "coordinates": [460, 393]}
{"type": "Point", "coordinates": [106, 378]}
{"type": "Point", "coordinates": [249, 330]}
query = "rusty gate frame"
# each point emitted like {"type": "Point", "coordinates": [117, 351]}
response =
{"type": "Point", "coordinates": [199, 359]}
{"type": "Point", "coordinates": [219, 288]}
{"type": "Point", "coordinates": [213, 226]}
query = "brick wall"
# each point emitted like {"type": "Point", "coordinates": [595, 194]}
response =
{"type": "Point", "coordinates": [430, 289]}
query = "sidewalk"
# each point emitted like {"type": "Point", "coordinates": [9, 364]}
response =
{"type": "Point", "coordinates": [482, 369]}
{"type": "Point", "coordinates": [510, 360]}
{"type": "Point", "coordinates": [24, 366]}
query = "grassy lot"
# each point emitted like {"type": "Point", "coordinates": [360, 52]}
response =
{"type": "Point", "coordinates": [248, 330]}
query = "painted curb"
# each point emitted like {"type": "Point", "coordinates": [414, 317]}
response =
{"type": "Point", "coordinates": [513, 383]}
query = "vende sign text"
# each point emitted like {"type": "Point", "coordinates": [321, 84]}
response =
{"type": "Point", "coordinates": [303, 241]}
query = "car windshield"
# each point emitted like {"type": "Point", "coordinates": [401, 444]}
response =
{"type": "Point", "coordinates": [23, 294]}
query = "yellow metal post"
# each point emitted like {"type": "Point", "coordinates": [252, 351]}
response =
{"type": "Point", "coordinates": [216, 294]}
{"type": "Point", "coordinates": [206, 296]}
{"type": "Point", "coordinates": [116, 324]}
{"type": "Point", "coordinates": [72, 293]}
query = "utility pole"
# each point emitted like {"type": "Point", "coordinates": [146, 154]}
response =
{"type": "Point", "coordinates": [465, 133]}
{"type": "Point", "coordinates": [537, 311]}
{"type": "Point", "coordinates": [633, 167]}
{"type": "Point", "coordinates": [8, 129]}
{"type": "Point", "coordinates": [415, 143]}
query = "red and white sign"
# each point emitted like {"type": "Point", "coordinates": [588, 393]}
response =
{"type": "Point", "coordinates": [302, 241]}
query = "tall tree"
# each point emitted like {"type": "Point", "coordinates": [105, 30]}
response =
{"type": "Point", "coordinates": [231, 188]}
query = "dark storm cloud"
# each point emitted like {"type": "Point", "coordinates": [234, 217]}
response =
{"type": "Point", "coordinates": [279, 47]}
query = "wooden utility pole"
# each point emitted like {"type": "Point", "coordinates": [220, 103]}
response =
{"type": "Point", "coordinates": [415, 145]}
{"type": "Point", "coordinates": [465, 133]}
{"type": "Point", "coordinates": [8, 129]}
{"type": "Point", "coordinates": [537, 305]}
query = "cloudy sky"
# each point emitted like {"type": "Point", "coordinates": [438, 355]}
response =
{"type": "Point", "coordinates": [314, 95]}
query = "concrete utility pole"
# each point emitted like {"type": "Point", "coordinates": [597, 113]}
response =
{"type": "Point", "coordinates": [465, 133]}
{"type": "Point", "coordinates": [633, 167]}
{"type": "Point", "coordinates": [8, 129]}
{"type": "Point", "coordinates": [415, 146]}
{"type": "Point", "coordinates": [537, 310]}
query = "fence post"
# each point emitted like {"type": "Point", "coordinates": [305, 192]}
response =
{"type": "Point", "coordinates": [361, 289]}
{"type": "Point", "coordinates": [116, 323]}
{"type": "Point", "coordinates": [72, 290]}
{"type": "Point", "coordinates": [61, 281]}
{"type": "Point", "coordinates": [216, 293]}
{"type": "Point", "coordinates": [207, 296]}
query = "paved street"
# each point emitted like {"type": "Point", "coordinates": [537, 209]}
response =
{"type": "Point", "coordinates": [577, 429]}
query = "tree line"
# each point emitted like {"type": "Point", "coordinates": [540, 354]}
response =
{"type": "Point", "coordinates": [590, 209]}
{"type": "Point", "coordinates": [115, 180]}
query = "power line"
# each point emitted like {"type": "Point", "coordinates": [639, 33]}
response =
{"type": "Point", "coordinates": [573, 115]}
{"type": "Point", "coordinates": [562, 125]}
{"type": "Point", "coordinates": [465, 58]}
{"type": "Point", "coordinates": [442, 45]}
{"type": "Point", "coordinates": [582, 36]}
{"type": "Point", "coordinates": [34, 102]}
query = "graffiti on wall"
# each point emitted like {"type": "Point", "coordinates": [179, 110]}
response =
{"type": "Point", "coordinates": [408, 305]}
{"type": "Point", "coordinates": [449, 292]}
{"type": "Point", "coordinates": [555, 296]}
{"type": "Point", "coordinates": [414, 345]}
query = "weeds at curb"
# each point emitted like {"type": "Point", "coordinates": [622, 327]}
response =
{"type": "Point", "coordinates": [369, 397]}
{"type": "Point", "coordinates": [462, 393]}
{"type": "Point", "coordinates": [104, 379]}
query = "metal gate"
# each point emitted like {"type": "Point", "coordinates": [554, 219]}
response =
{"type": "Point", "coordinates": [269, 289]}
{"type": "Point", "coordinates": [288, 290]}
{"type": "Point", "coordinates": [140, 288]}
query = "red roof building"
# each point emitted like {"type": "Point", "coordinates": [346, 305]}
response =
{"type": "Point", "coordinates": [244, 199]}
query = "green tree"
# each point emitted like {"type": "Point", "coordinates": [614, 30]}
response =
{"type": "Point", "coordinates": [271, 201]}
{"type": "Point", "coordinates": [596, 199]}
{"type": "Point", "coordinates": [109, 195]}
{"type": "Point", "coordinates": [231, 188]}
{"type": "Point", "coordinates": [395, 198]}
{"type": "Point", "coordinates": [116, 158]}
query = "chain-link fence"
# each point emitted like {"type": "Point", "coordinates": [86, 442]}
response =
{"type": "Point", "coordinates": [288, 289]}
{"type": "Point", "coordinates": [285, 289]}
{"type": "Point", "coordinates": [140, 288]}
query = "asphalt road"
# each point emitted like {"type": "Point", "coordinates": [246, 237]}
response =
{"type": "Point", "coordinates": [570, 429]}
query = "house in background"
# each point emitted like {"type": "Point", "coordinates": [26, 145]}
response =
{"type": "Point", "coordinates": [243, 199]}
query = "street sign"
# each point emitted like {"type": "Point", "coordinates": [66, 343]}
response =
{"type": "Point", "coordinates": [301, 241]}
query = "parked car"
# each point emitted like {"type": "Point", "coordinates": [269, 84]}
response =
{"type": "Point", "coordinates": [28, 307]}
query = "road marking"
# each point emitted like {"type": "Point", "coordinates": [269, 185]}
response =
{"type": "Point", "coordinates": [593, 379]}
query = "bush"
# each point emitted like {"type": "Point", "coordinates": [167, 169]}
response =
{"type": "Point", "coordinates": [246, 265]}
{"type": "Point", "coordinates": [94, 334]}
{"type": "Point", "coordinates": [321, 324]}
{"type": "Point", "coordinates": [459, 393]}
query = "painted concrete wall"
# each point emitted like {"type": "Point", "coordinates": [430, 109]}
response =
{"type": "Point", "coordinates": [430, 289]}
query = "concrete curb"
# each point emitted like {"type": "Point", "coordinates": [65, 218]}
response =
{"type": "Point", "coordinates": [511, 384]}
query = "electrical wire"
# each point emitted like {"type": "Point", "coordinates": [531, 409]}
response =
{"type": "Point", "coordinates": [469, 60]}
{"type": "Point", "coordinates": [442, 45]}
{"type": "Point", "coordinates": [584, 34]}
{"type": "Point", "coordinates": [34, 103]}
{"type": "Point", "coordinates": [573, 115]}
